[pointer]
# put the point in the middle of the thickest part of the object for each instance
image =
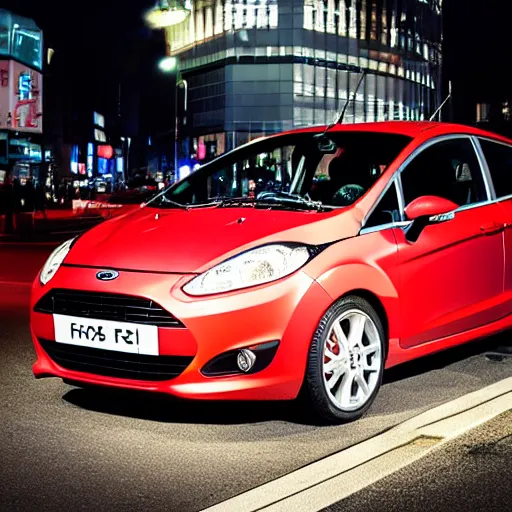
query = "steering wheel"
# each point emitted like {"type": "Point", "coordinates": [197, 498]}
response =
{"type": "Point", "coordinates": [347, 195]}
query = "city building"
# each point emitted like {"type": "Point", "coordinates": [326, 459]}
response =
{"type": "Point", "coordinates": [21, 97]}
{"type": "Point", "coordinates": [253, 67]}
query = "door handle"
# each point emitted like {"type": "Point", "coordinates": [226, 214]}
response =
{"type": "Point", "coordinates": [492, 229]}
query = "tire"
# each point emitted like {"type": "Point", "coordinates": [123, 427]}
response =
{"type": "Point", "coordinates": [350, 359]}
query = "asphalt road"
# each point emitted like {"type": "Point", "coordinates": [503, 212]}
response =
{"type": "Point", "coordinates": [62, 448]}
{"type": "Point", "coordinates": [471, 472]}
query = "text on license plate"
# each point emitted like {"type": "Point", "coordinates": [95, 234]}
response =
{"type": "Point", "coordinates": [106, 334]}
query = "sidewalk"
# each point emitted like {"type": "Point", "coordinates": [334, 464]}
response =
{"type": "Point", "coordinates": [471, 472]}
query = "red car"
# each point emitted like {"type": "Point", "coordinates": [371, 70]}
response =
{"type": "Point", "coordinates": [298, 265]}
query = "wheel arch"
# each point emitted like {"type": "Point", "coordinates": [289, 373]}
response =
{"type": "Point", "coordinates": [369, 282]}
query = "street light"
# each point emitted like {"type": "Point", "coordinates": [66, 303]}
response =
{"type": "Point", "coordinates": [168, 64]}
{"type": "Point", "coordinates": [179, 83]}
{"type": "Point", "coordinates": [167, 13]}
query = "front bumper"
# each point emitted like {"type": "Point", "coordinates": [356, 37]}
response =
{"type": "Point", "coordinates": [287, 311]}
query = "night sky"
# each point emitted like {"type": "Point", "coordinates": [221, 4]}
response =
{"type": "Point", "coordinates": [98, 42]}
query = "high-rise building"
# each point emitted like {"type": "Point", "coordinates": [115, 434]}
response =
{"type": "Point", "coordinates": [253, 67]}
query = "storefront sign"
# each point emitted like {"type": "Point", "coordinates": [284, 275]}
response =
{"type": "Point", "coordinates": [21, 95]}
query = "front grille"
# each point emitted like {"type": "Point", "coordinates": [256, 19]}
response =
{"type": "Point", "coordinates": [106, 306]}
{"type": "Point", "coordinates": [115, 364]}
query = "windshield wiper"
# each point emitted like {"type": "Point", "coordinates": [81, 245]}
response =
{"type": "Point", "coordinates": [162, 201]}
{"type": "Point", "coordinates": [291, 202]}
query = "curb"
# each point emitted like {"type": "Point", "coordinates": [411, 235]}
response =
{"type": "Point", "coordinates": [334, 478]}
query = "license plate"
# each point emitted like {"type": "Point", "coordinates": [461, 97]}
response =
{"type": "Point", "coordinates": [106, 334]}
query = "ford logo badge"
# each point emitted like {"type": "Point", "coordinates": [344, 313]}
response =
{"type": "Point", "coordinates": [107, 275]}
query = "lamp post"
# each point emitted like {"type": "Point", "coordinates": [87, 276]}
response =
{"type": "Point", "coordinates": [168, 65]}
{"type": "Point", "coordinates": [167, 13]}
{"type": "Point", "coordinates": [180, 82]}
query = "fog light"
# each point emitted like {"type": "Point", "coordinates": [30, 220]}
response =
{"type": "Point", "coordinates": [242, 360]}
{"type": "Point", "coordinates": [245, 359]}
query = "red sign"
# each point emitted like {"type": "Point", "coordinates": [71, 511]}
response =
{"type": "Point", "coordinates": [105, 152]}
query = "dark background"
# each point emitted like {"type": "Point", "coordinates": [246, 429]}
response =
{"type": "Point", "coordinates": [103, 49]}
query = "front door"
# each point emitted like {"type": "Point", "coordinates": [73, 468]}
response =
{"type": "Point", "coordinates": [451, 275]}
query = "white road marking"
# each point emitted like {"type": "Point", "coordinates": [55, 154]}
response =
{"type": "Point", "coordinates": [336, 477]}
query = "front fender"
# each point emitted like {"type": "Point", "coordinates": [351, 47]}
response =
{"type": "Point", "coordinates": [369, 263]}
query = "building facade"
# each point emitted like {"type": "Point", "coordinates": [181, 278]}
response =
{"type": "Point", "coordinates": [253, 67]}
{"type": "Point", "coordinates": [21, 97]}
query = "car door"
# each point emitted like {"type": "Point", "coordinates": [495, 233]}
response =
{"type": "Point", "coordinates": [451, 275]}
{"type": "Point", "coordinates": [498, 158]}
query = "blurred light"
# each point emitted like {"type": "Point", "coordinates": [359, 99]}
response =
{"type": "Point", "coordinates": [74, 159]}
{"type": "Point", "coordinates": [167, 13]}
{"type": "Point", "coordinates": [201, 150]}
{"type": "Point", "coordinates": [50, 53]}
{"type": "Point", "coordinates": [105, 151]}
{"type": "Point", "coordinates": [184, 171]}
{"type": "Point", "coordinates": [168, 64]}
{"type": "Point", "coordinates": [196, 166]}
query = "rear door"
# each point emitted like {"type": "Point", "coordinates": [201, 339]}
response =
{"type": "Point", "coordinates": [451, 275]}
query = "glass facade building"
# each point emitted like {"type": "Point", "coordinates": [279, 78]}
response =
{"type": "Point", "coordinates": [254, 67]}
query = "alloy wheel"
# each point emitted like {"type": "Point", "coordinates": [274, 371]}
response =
{"type": "Point", "coordinates": [352, 360]}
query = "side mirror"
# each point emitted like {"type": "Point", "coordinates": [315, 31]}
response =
{"type": "Point", "coordinates": [428, 207]}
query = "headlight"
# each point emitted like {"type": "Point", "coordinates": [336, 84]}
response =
{"type": "Point", "coordinates": [251, 268]}
{"type": "Point", "coordinates": [54, 261]}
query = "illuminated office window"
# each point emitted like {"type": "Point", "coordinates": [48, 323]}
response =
{"type": "Point", "coordinates": [208, 22]}
{"type": "Point", "coordinates": [362, 28]}
{"type": "Point", "coordinates": [250, 20]}
{"type": "Point", "coordinates": [228, 15]}
{"type": "Point", "coordinates": [319, 16]}
{"type": "Point", "coordinates": [239, 16]}
{"type": "Point", "coordinates": [373, 30]}
{"type": "Point", "coordinates": [199, 25]}
{"type": "Point", "coordinates": [384, 28]}
{"type": "Point", "coordinates": [393, 31]}
{"type": "Point", "coordinates": [331, 23]}
{"type": "Point", "coordinates": [273, 16]}
{"type": "Point", "coordinates": [342, 23]}
{"type": "Point", "coordinates": [308, 14]}
{"type": "Point", "coordinates": [261, 14]}
{"type": "Point", "coordinates": [352, 26]}
{"type": "Point", "coordinates": [219, 17]}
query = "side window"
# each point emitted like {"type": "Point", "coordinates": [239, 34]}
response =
{"type": "Point", "coordinates": [448, 169]}
{"type": "Point", "coordinates": [386, 211]}
{"type": "Point", "coordinates": [499, 160]}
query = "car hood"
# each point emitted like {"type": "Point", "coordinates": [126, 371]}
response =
{"type": "Point", "coordinates": [189, 241]}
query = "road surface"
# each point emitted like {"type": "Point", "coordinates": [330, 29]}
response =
{"type": "Point", "coordinates": [64, 448]}
{"type": "Point", "coordinates": [470, 473]}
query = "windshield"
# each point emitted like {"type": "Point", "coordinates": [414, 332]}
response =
{"type": "Point", "coordinates": [289, 171]}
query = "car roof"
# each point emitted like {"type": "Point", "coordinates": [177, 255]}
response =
{"type": "Point", "coordinates": [411, 129]}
